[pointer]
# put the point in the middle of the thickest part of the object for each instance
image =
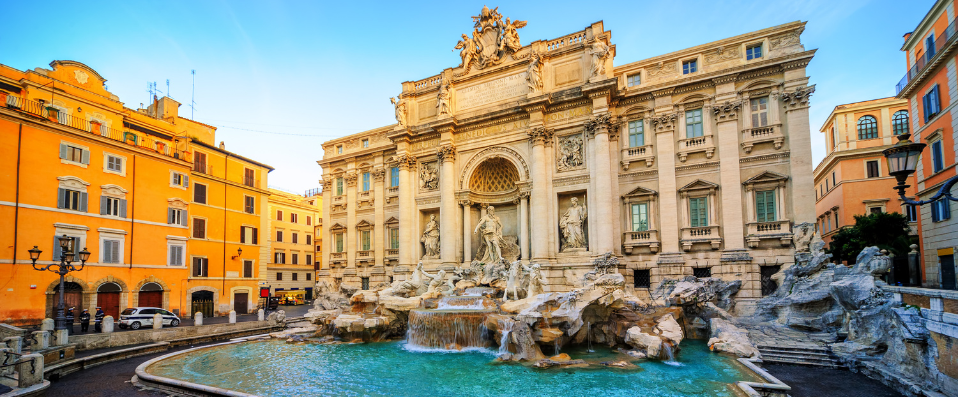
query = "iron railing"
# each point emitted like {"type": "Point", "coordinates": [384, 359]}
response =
{"type": "Point", "coordinates": [52, 114]}
{"type": "Point", "coordinates": [920, 63]}
{"type": "Point", "coordinates": [313, 192]}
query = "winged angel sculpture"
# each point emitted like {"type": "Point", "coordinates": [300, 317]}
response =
{"type": "Point", "coordinates": [492, 39]}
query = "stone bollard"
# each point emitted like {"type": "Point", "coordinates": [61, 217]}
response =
{"type": "Point", "coordinates": [30, 370]}
{"type": "Point", "coordinates": [14, 343]}
{"type": "Point", "coordinates": [47, 324]}
{"type": "Point", "coordinates": [40, 340]}
{"type": "Point", "coordinates": [5, 360]}
{"type": "Point", "coordinates": [157, 321]}
{"type": "Point", "coordinates": [61, 337]}
{"type": "Point", "coordinates": [198, 319]}
{"type": "Point", "coordinates": [232, 316]}
{"type": "Point", "coordinates": [261, 315]}
{"type": "Point", "coordinates": [107, 325]}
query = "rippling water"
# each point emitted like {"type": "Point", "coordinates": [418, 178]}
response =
{"type": "Point", "coordinates": [275, 368]}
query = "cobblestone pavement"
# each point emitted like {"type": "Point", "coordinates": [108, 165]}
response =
{"type": "Point", "coordinates": [826, 382]}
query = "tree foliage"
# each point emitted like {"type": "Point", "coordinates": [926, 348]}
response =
{"type": "Point", "coordinates": [887, 230]}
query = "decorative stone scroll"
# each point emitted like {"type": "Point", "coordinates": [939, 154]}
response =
{"type": "Point", "coordinates": [596, 123]}
{"type": "Point", "coordinates": [350, 178]}
{"type": "Point", "coordinates": [797, 99]}
{"type": "Point", "coordinates": [406, 162]}
{"type": "Point", "coordinates": [727, 111]}
{"type": "Point", "coordinates": [379, 173]}
{"type": "Point", "coordinates": [446, 153]}
{"type": "Point", "coordinates": [665, 122]}
{"type": "Point", "coordinates": [540, 136]}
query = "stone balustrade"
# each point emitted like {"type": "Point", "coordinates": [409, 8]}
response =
{"type": "Point", "coordinates": [392, 191]}
{"type": "Point", "coordinates": [770, 133]}
{"type": "Point", "coordinates": [637, 154]}
{"type": "Point", "coordinates": [697, 144]}
{"type": "Point", "coordinates": [572, 39]}
{"type": "Point", "coordinates": [706, 234]}
{"type": "Point", "coordinates": [647, 238]}
{"type": "Point", "coordinates": [392, 253]}
{"type": "Point", "coordinates": [777, 230]}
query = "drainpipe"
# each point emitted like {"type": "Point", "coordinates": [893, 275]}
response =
{"type": "Point", "coordinates": [226, 169]}
{"type": "Point", "coordinates": [132, 211]}
{"type": "Point", "coordinates": [16, 208]}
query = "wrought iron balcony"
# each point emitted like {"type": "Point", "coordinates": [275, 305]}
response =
{"type": "Point", "coordinates": [647, 238]}
{"type": "Point", "coordinates": [943, 40]}
{"type": "Point", "coordinates": [636, 154]}
{"type": "Point", "coordinates": [770, 133]}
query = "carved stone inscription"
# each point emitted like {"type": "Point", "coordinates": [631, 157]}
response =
{"type": "Point", "coordinates": [427, 108]}
{"type": "Point", "coordinates": [567, 73]}
{"type": "Point", "coordinates": [569, 114]}
{"type": "Point", "coordinates": [493, 129]}
{"type": "Point", "coordinates": [492, 91]}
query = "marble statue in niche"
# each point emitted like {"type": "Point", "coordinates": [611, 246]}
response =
{"type": "Point", "coordinates": [570, 153]}
{"type": "Point", "coordinates": [430, 239]}
{"type": "Point", "coordinates": [571, 224]}
{"type": "Point", "coordinates": [600, 51]}
{"type": "Point", "coordinates": [491, 234]}
{"type": "Point", "coordinates": [428, 178]}
{"type": "Point", "coordinates": [400, 110]}
{"type": "Point", "coordinates": [442, 99]}
{"type": "Point", "coordinates": [534, 73]}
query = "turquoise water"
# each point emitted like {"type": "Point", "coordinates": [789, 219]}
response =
{"type": "Point", "coordinates": [275, 368]}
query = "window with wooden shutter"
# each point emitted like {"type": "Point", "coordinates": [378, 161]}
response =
{"type": "Point", "coordinates": [309, 220]}
{"type": "Point", "coordinates": [199, 162]}
{"type": "Point", "coordinates": [199, 228]}
{"type": "Point", "coordinates": [872, 167]}
{"type": "Point", "coordinates": [199, 193]}
{"type": "Point", "coordinates": [698, 212]}
{"type": "Point", "coordinates": [765, 206]}
{"type": "Point", "coordinates": [309, 239]}
{"type": "Point", "coordinates": [279, 236]}
{"type": "Point", "coordinates": [249, 177]}
{"type": "Point", "coordinates": [255, 239]}
{"type": "Point", "coordinates": [279, 276]}
{"type": "Point", "coordinates": [279, 215]}
{"type": "Point", "coordinates": [176, 255]}
{"type": "Point", "coordinates": [200, 267]}
{"type": "Point", "coordinates": [294, 259]}
{"type": "Point", "coordinates": [295, 238]}
{"type": "Point", "coordinates": [294, 218]}
{"type": "Point", "coordinates": [247, 269]}
{"type": "Point", "coordinates": [250, 204]}
{"type": "Point", "coordinates": [295, 275]}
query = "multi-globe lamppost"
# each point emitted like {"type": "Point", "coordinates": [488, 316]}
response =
{"type": "Point", "coordinates": [902, 162]}
{"type": "Point", "coordinates": [63, 268]}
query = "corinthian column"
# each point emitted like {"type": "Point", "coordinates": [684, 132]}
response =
{"type": "Point", "coordinates": [447, 205]}
{"type": "Point", "coordinates": [602, 175]}
{"type": "Point", "coordinates": [538, 136]}
{"type": "Point", "coordinates": [408, 246]}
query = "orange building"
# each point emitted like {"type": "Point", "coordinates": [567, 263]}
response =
{"type": "Point", "coordinates": [928, 87]}
{"type": "Point", "coordinates": [853, 178]}
{"type": "Point", "coordinates": [291, 271]}
{"type": "Point", "coordinates": [76, 162]}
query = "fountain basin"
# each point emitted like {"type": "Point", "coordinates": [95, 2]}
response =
{"type": "Point", "coordinates": [454, 329]}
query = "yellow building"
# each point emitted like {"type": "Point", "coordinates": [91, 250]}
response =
{"type": "Point", "coordinates": [229, 207]}
{"type": "Point", "coordinates": [290, 271]}
{"type": "Point", "coordinates": [76, 162]}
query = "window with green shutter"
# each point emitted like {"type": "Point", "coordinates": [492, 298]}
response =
{"type": "Point", "coordinates": [640, 217]}
{"type": "Point", "coordinates": [693, 123]}
{"type": "Point", "coordinates": [698, 212]}
{"type": "Point", "coordinates": [339, 242]}
{"type": "Point", "coordinates": [765, 206]}
{"type": "Point", "coordinates": [394, 238]}
{"type": "Point", "coordinates": [636, 133]}
{"type": "Point", "coordinates": [365, 242]}
{"type": "Point", "coordinates": [339, 186]}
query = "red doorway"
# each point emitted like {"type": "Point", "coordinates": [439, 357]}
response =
{"type": "Point", "coordinates": [108, 298]}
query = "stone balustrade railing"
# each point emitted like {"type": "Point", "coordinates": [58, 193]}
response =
{"type": "Point", "coordinates": [572, 39]}
{"type": "Point", "coordinates": [771, 133]}
{"type": "Point", "coordinates": [697, 144]}
{"type": "Point", "coordinates": [780, 230]}
{"type": "Point", "coordinates": [636, 154]}
{"type": "Point", "coordinates": [645, 238]}
{"type": "Point", "coordinates": [704, 234]}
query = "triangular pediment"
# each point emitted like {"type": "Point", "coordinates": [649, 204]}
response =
{"type": "Point", "coordinates": [767, 176]}
{"type": "Point", "coordinates": [699, 185]}
{"type": "Point", "coordinates": [364, 223]}
{"type": "Point", "coordinates": [392, 220]}
{"type": "Point", "coordinates": [337, 226]}
{"type": "Point", "coordinates": [640, 191]}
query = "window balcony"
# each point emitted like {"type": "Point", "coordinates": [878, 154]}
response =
{"type": "Point", "coordinates": [203, 168]}
{"type": "Point", "coordinates": [392, 253]}
{"type": "Point", "coordinates": [392, 191]}
{"type": "Point", "coordinates": [698, 144]}
{"type": "Point", "coordinates": [364, 258]}
{"type": "Point", "coordinates": [339, 199]}
{"type": "Point", "coordinates": [926, 59]}
{"type": "Point", "coordinates": [251, 182]}
{"type": "Point", "coordinates": [637, 154]}
{"type": "Point", "coordinates": [695, 235]}
{"type": "Point", "coordinates": [776, 230]}
{"type": "Point", "coordinates": [771, 133]}
{"type": "Point", "coordinates": [648, 238]}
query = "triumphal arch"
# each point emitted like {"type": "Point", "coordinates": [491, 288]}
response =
{"type": "Point", "coordinates": [695, 162]}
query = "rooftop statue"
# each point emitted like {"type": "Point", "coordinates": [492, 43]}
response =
{"type": "Point", "coordinates": [492, 39]}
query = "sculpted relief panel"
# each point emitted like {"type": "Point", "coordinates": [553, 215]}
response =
{"type": "Point", "coordinates": [571, 153]}
{"type": "Point", "coordinates": [492, 91]}
{"type": "Point", "coordinates": [428, 176]}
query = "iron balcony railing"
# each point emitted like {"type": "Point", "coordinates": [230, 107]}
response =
{"type": "Point", "coordinates": [52, 114]}
{"type": "Point", "coordinates": [313, 192]}
{"type": "Point", "coordinates": [920, 63]}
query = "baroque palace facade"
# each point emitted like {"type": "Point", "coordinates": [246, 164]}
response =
{"type": "Point", "coordinates": [696, 162]}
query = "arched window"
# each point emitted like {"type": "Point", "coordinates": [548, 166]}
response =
{"type": "Point", "coordinates": [867, 127]}
{"type": "Point", "coordinates": [899, 122]}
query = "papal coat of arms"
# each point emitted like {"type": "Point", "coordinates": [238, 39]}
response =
{"type": "Point", "coordinates": [492, 40]}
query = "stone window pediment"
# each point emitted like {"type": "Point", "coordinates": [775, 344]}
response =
{"type": "Point", "coordinates": [364, 225]}
{"type": "Point", "coordinates": [639, 194]}
{"type": "Point", "coordinates": [113, 191]}
{"type": "Point", "coordinates": [72, 183]}
{"type": "Point", "coordinates": [392, 221]}
{"type": "Point", "coordinates": [337, 228]}
{"type": "Point", "coordinates": [699, 187]}
{"type": "Point", "coordinates": [178, 203]}
{"type": "Point", "coordinates": [767, 178]}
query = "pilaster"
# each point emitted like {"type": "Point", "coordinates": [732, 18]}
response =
{"type": "Point", "coordinates": [733, 221]}
{"type": "Point", "coordinates": [538, 137]}
{"type": "Point", "coordinates": [599, 127]}
{"type": "Point", "coordinates": [448, 212]}
{"type": "Point", "coordinates": [408, 246]}
{"type": "Point", "coordinates": [663, 126]}
{"type": "Point", "coordinates": [800, 162]}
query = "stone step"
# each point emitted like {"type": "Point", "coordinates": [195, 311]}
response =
{"type": "Point", "coordinates": [806, 348]}
{"type": "Point", "coordinates": [816, 355]}
{"type": "Point", "coordinates": [798, 357]}
{"type": "Point", "coordinates": [800, 362]}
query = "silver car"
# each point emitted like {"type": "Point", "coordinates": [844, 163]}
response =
{"type": "Point", "coordinates": [136, 317]}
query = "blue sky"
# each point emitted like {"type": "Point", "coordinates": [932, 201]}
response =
{"type": "Point", "coordinates": [325, 70]}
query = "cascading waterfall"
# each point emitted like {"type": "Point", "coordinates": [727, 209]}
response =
{"type": "Point", "coordinates": [464, 303]}
{"type": "Point", "coordinates": [506, 328]}
{"type": "Point", "coordinates": [588, 327]}
{"type": "Point", "coordinates": [447, 329]}
{"type": "Point", "coordinates": [669, 354]}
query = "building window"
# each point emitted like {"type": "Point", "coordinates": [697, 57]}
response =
{"type": "Point", "coordinates": [941, 210]}
{"type": "Point", "coordinates": [247, 269]}
{"type": "Point", "coordinates": [338, 238]}
{"type": "Point", "coordinates": [199, 193]}
{"type": "Point", "coordinates": [867, 127]}
{"type": "Point", "coordinates": [365, 243]}
{"type": "Point", "coordinates": [249, 177]}
{"type": "Point", "coordinates": [834, 137]}
{"type": "Point", "coordinates": [394, 238]}
{"type": "Point", "coordinates": [199, 228]}
{"type": "Point", "coordinates": [689, 66]}
{"type": "Point", "coordinates": [248, 235]}
{"type": "Point", "coordinates": [295, 238]}
{"type": "Point", "coordinates": [937, 156]}
{"type": "Point", "coordinates": [112, 206]}
{"type": "Point", "coordinates": [759, 111]}
{"type": "Point", "coordinates": [309, 240]}
{"type": "Point", "coordinates": [308, 277]}
{"type": "Point", "coordinates": [753, 51]}
{"type": "Point", "coordinates": [702, 272]}
{"type": "Point", "coordinates": [765, 206]}
{"type": "Point", "coordinates": [834, 182]}
{"type": "Point", "coordinates": [294, 259]}
{"type": "Point", "coordinates": [179, 180]}
{"type": "Point", "coordinates": [698, 212]}
{"type": "Point", "coordinates": [295, 275]}
{"type": "Point", "coordinates": [829, 224]}
{"type": "Point", "coordinates": [365, 143]}
{"type": "Point", "coordinates": [279, 276]}
{"type": "Point", "coordinates": [176, 216]}
{"type": "Point", "coordinates": [309, 260]}
{"type": "Point", "coordinates": [911, 212]}
{"type": "Point", "coordinates": [365, 181]}
{"type": "Point", "coordinates": [114, 163]}
{"type": "Point", "coordinates": [201, 267]}
{"type": "Point", "coordinates": [642, 278]}
{"type": "Point", "coordinates": [339, 186]}
{"type": "Point", "coordinates": [279, 215]}
{"type": "Point", "coordinates": [837, 224]}
{"type": "Point", "coordinates": [74, 154]}
{"type": "Point", "coordinates": [693, 123]}
{"type": "Point", "coordinates": [279, 257]}
{"type": "Point", "coordinates": [874, 210]}
{"type": "Point", "coordinates": [899, 122]}
{"type": "Point", "coordinates": [250, 205]}
{"type": "Point", "coordinates": [294, 218]}
{"type": "Point", "coordinates": [640, 217]}
{"type": "Point", "coordinates": [931, 103]}
{"type": "Point", "coordinates": [339, 149]}
{"type": "Point", "coordinates": [309, 219]}
{"type": "Point", "coordinates": [930, 47]}
{"type": "Point", "coordinates": [176, 255]}
{"type": "Point", "coordinates": [634, 80]}
{"type": "Point", "coordinates": [365, 283]}
{"type": "Point", "coordinates": [199, 162]}
{"type": "Point", "coordinates": [872, 167]}
{"type": "Point", "coordinates": [71, 200]}
{"type": "Point", "coordinates": [279, 236]}
{"type": "Point", "coordinates": [111, 251]}
{"type": "Point", "coordinates": [636, 133]}
{"type": "Point", "coordinates": [394, 176]}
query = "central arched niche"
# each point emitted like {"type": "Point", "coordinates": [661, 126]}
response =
{"type": "Point", "coordinates": [494, 182]}
{"type": "Point", "coordinates": [495, 175]}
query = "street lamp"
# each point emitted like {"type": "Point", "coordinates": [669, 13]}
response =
{"type": "Point", "coordinates": [63, 268]}
{"type": "Point", "coordinates": [239, 251]}
{"type": "Point", "coordinates": [903, 161]}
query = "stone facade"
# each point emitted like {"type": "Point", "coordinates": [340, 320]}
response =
{"type": "Point", "coordinates": [566, 147]}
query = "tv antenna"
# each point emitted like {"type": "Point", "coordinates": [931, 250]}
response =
{"type": "Point", "coordinates": [193, 94]}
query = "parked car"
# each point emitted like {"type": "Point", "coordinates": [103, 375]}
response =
{"type": "Point", "coordinates": [136, 317]}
